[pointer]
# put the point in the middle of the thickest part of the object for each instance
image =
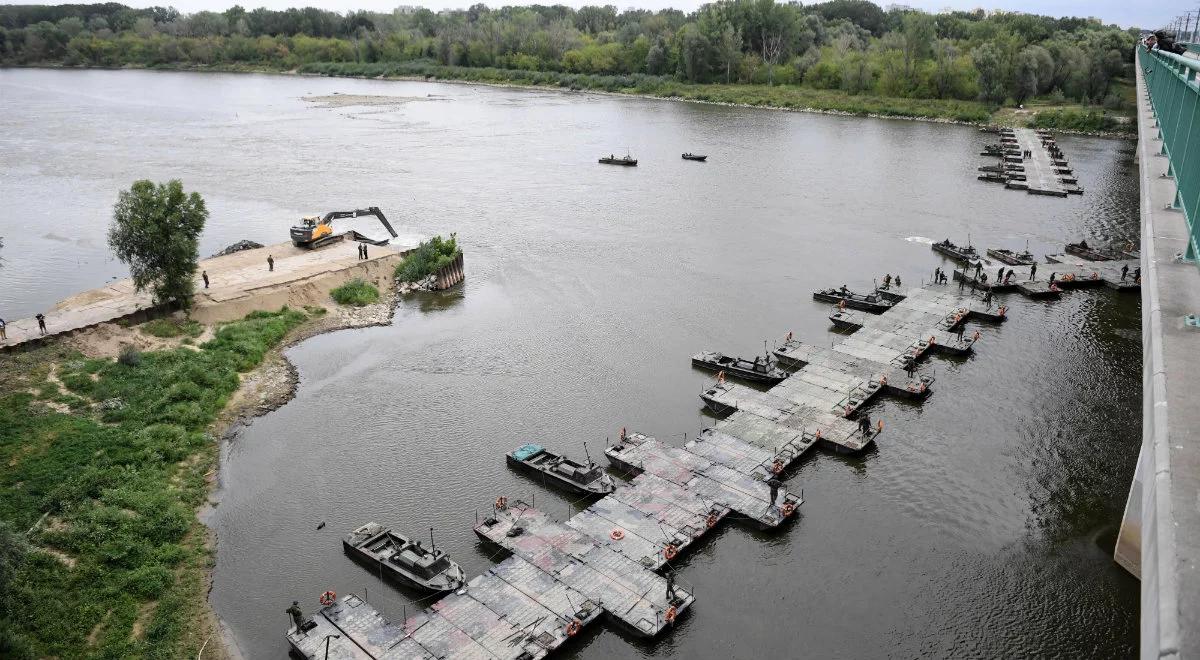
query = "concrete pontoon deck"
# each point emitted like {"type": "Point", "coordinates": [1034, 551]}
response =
{"type": "Point", "coordinates": [606, 558]}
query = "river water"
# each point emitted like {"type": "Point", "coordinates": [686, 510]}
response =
{"type": "Point", "coordinates": [981, 526]}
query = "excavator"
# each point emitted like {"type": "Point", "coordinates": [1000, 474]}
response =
{"type": "Point", "coordinates": [316, 231]}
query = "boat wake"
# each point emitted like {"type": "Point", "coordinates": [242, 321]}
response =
{"type": "Point", "coordinates": [919, 239]}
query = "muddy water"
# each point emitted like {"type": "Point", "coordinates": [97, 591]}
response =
{"type": "Point", "coordinates": [981, 526]}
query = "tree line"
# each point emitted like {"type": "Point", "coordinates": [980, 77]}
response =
{"type": "Point", "coordinates": [848, 45]}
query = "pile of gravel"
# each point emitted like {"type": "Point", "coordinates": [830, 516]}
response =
{"type": "Point", "coordinates": [238, 247]}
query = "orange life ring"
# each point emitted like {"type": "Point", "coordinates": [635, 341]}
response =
{"type": "Point", "coordinates": [617, 534]}
{"type": "Point", "coordinates": [879, 427]}
{"type": "Point", "coordinates": [1095, 276]}
{"type": "Point", "coordinates": [720, 378]}
{"type": "Point", "coordinates": [501, 503]}
{"type": "Point", "coordinates": [328, 598]}
{"type": "Point", "coordinates": [670, 552]}
{"type": "Point", "coordinates": [883, 379]}
{"type": "Point", "coordinates": [842, 305]}
{"type": "Point", "coordinates": [573, 627]}
{"type": "Point", "coordinates": [932, 340]}
{"type": "Point", "coordinates": [1001, 310]}
{"type": "Point", "coordinates": [817, 435]}
{"type": "Point", "coordinates": [622, 432]}
{"type": "Point", "coordinates": [777, 466]}
{"type": "Point", "coordinates": [787, 509]}
{"type": "Point", "coordinates": [671, 614]}
{"type": "Point", "coordinates": [711, 521]}
{"type": "Point", "coordinates": [975, 337]}
{"type": "Point", "coordinates": [962, 310]}
{"type": "Point", "coordinates": [922, 388]}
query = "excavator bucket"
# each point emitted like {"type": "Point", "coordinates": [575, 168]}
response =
{"type": "Point", "coordinates": [386, 224]}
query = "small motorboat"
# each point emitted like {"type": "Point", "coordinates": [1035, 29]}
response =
{"type": "Point", "coordinates": [1082, 249]}
{"type": "Point", "coordinates": [956, 252]}
{"type": "Point", "coordinates": [695, 157]}
{"type": "Point", "coordinates": [871, 302]}
{"type": "Point", "coordinates": [759, 370]}
{"type": "Point", "coordinates": [562, 471]}
{"type": "Point", "coordinates": [627, 160]}
{"type": "Point", "coordinates": [404, 560]}
{"type": "Point", "coordinates": [1004, 255]}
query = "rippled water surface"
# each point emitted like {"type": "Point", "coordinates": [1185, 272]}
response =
{"type": "Point", "coordinates": [982, 524]}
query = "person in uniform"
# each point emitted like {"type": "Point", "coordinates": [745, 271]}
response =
{"type": "Point", "coordinates": [297, 615]}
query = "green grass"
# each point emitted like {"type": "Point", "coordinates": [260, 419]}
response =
{"type": "Point", "coordinates": [118, 480]}
{"type": "Point", "coordinates": [1075, 120]}
{"type": "Point", "coordinates": [357, 292]}
{"type": "Point", "coordinates": [428, 258]}
{"type": "Point", "coordinates": [167, 328]}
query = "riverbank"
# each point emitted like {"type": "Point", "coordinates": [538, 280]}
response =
{"type": "Point", "coordinates": [238, 284]}
{"type": "Point", "coordinates": [779, 97]}
{"type": "Point", "coordinates": [109, 444]}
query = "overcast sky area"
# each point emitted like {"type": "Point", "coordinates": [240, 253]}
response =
{"type": "Point", "coordinates": [1126, 13]}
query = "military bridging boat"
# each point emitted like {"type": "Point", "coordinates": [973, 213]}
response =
{"type": "Point", "coordinates": [1082, 249]}
{"type": "Point", "coordinates": [956, 252]}
{"type": "Point", "coordinates": [561, 471]}
{"type": "Point", "coordinates": [404, 560]}
{"type": "Point", "coordinates": [759, 370]}
{"type": "Point", "coordinates": [690, 156]}
{"type": "Point", "coordinates": [875, 303]}
{"type": "Point", "coordinates": [628, 160]}
{"type": "Point", "coordinates": [1011, 258]}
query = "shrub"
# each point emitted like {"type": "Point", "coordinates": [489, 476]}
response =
{"type": "Point", "coordinates": [356, 292]}
{"type": "Point", "coordinates": [167, 328]}
{"type": "Point", "coordinates": [130, 356]}
{"type": "Point", "coordinates": [1078, 121]}
{"type": "Point", "coordinates": [428, 258]}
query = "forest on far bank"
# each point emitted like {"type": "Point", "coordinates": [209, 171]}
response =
{"type": "Point", "coordinates": [851, 47]}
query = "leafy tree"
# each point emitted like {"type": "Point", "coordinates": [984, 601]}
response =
{"type": "Point", "coordinates": [656, 59]}
{"type": "Point", "coordinates": [693, 53]}
{"type": "Point", "coordinates": [919, 33]}
{"type": "Point", "coordinates": [729, 49]}
{"type": "Point", "coordinates": [988, 62]}
{"type": "Point", "coordinates": [1025, 76]}
{"type": "Point", "coordinates": [154, 231]}
{"type": "Point", "coordinates": [862, 13]}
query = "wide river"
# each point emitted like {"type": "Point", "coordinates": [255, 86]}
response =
{"type": "Point", "coordinates": [981, 526]}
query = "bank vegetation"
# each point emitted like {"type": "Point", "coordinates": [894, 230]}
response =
{"type": "Point", "coordinates": [103, 464]}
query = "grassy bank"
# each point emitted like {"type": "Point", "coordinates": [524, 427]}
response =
{"type": "Point", "coordinates": [103, 463]}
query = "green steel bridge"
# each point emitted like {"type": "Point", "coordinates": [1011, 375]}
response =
{"type": "Point", "coordinates": [1159, 540]}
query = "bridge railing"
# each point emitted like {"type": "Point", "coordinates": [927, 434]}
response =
{"type": "Point", "coordinates": [1175, 98]}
